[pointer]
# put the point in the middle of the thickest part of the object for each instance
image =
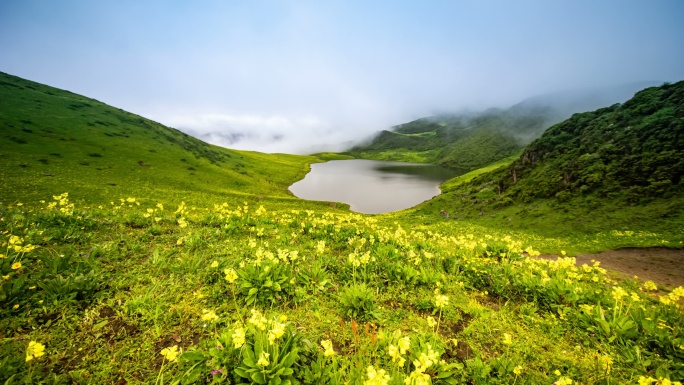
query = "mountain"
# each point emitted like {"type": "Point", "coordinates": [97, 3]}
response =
{"type": "Point", "coordinates": [52, 141]}
{"type": "Point", "coordinates": [634, 151]}
{"type": "Point", "coordinates": [472, 140]}
{"type": "Point", "coordinates": [601, 164]}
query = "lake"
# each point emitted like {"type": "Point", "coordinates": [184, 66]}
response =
{"type": "Point", "coordinates": [371, 186]}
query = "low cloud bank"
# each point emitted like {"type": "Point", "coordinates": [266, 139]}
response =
{"type": "Point", "coordinates": [270, 134]}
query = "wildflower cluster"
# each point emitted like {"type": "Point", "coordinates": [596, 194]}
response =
{"type": "Point", "coordinates": [62, 201]}
{"type": "Point", "coordinates": [376, 376]}
{"type": "Point", "coordinates": [426, 360]}
{"type": "Point", "coordinates": [397, 352]}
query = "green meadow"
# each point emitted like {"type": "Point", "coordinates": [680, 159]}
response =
{"type": "Point", "coordinates": [133, 253]}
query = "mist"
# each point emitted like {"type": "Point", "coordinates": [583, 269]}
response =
{"type": "Point", "coordinates": [305, 76]}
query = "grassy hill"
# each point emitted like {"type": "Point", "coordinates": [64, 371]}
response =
{"type": "Point", "coordinates": [618, 167]}
{"type": "Point", "coordinates": [459, 141]}
{"type": "Point", "coordinates": [246, 284]}
{"type": "Point", "coordinates": [52, 141]}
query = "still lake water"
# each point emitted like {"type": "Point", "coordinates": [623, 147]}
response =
{"type": "Point", "coordinates": [371, 186]}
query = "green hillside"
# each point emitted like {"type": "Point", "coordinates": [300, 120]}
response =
{"type": "Point", "coordinates": [52, 141]}
{"type": "Point", "coordinates": [619, 166]}
{"type": "Point", "coordinates": [459, 141]}
{"type": "Point", "coordinates": [131, 253]}
{"type": "Point", "coordinates": [469, 141]}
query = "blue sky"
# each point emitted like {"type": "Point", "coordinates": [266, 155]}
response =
{"type": "Point", "coordinates": [293, 76]}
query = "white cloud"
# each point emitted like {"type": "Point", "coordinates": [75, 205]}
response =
{"type": "Point", "coordinates": [302, 134]}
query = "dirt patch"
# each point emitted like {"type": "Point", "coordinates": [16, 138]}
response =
{"type": "Point", "coordinates": [114, 328]}
{"type": "Point", "coordinates": [460, 352]}
{"type": "Point", "coordinates": [663, 266]}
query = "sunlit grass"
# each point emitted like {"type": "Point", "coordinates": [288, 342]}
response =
{"type": "Point", "coordinates": [468, 301]}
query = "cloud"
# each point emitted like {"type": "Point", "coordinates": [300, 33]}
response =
{"type": "Point", "coordinates": [299, 135]}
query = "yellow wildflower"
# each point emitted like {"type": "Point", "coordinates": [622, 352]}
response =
{"type": "Point", "coordinates": [441, 301]}
{"type": "Point", "coordinates": [209, 315]}
{"type": "Point", "coordinates": [214, 264]}
{"type": "Point", "coordinates": [16, 265]}
{"type": "Point", "coordinates": [263, 359]}
{"type": "Point", "coordinates": [607, 363]}
{"type": "Point", "coordinates": [393, 352]}
{"type": "Point", "coordinates": [404, 344]}
{"type": "Point", "coordinates": [650, 286]}
{"type": "Point", "coordinates": [507, 340]}
{"type": "Point", "coordinates": [518, 370]}
{"type": "Point", "coordinates": [276, 332]}
{"type": "Point", "coordinates": [34, 350]}
{"type": "Point", "coordinates": [328, 346]}
{"type": "Point", "coordinates": [238, 338]}
{"type": "Point", "coordinates": [170, 353]}
{"type": "Point", "coordinates": [258, 320]}
{"type": "Point", "coordinates": [15, 240]}
{"type": "Point", "coordinates": [376, 377]}
{"type": "Point", "coordinates": [417, 378]}
{"type": "Point", "coordinates": [431, 321]}
{"type": "Point", "coordinates": [618, 293]}
{"type": "Point", "coordinates": [231, 275]}
{"type": "Point", "coordinates": [678, 292]}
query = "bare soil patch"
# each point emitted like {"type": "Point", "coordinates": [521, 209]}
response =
{"type": "Point", "coordinates": [663, 266]}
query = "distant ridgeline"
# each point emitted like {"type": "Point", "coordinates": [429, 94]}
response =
{"type": "Point", "coordinates": [459, 141]}
{"type": "Point", "coordinates": [633, 152]}
{"type": "Point", "coordinates": [472, 140]}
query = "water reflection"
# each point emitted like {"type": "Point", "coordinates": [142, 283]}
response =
{"type": "Point", "coordinates": [370, 186]}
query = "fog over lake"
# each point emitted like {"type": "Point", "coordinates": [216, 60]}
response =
{"type": "Point", "coordinates": [371, 186]}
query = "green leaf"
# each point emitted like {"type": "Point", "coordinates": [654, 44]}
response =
{"type": "Point", "coordinates": [248, 358]}
{"type": "Point", "coordinates": [241, 372]}
{"type": "Point", "coordinates": [100, 325]}
{"type": "Point", "coordinates": [287, 372]}
{"type": "Point", "coordinates": [258, 378]}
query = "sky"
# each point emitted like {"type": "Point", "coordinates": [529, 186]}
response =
{"type": "Point", "coordinates": [308, 76]}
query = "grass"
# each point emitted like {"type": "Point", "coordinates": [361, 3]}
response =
{"type": "Point", "coordinates": [398, 155]}
{"type": "Point", "coordinates": [157, 275]}
{"type": "Point", "coordinates": [150, 272]}
{"type": "Point", "coordinates": [461, 179]}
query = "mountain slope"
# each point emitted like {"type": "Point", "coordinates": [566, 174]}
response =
{"type": "Point", "coordinates": [473, 140]}
{"type": "Point", "coordinates": [633, 151]}
{"type": "Point", "coordinates": [52, 141]}
{"type": "Point", "coordinates": [467, 141]}
{"type": "Point", "coordinates": [616, 167]}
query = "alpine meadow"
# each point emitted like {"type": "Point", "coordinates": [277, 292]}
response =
{"type": "Point", "coordinates": [132, 252]}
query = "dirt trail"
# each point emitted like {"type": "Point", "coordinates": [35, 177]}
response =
{"type": "Point", "coordinates": [663, 266]}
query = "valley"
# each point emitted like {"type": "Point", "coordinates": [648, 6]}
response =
{"type": "Point", "coordinates": [134, 253]}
